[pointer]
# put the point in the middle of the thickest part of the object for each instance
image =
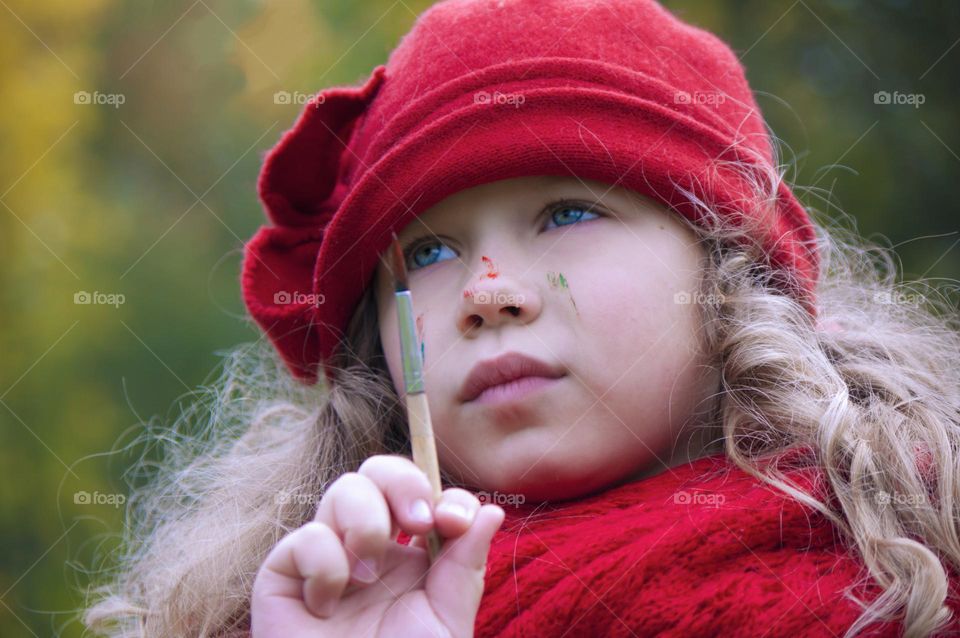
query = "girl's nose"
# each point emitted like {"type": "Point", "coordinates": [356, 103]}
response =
{"type": "Point", "coordinates": [492, 301]}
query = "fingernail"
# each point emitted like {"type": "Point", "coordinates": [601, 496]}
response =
{"type": "Point", "coordinates": [420, 511]}
{"type": "Point", "coordinates": [457, 510]}
{"type": "Point", "coordinates": [365, 571]}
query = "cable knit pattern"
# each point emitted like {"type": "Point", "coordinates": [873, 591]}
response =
{"type": "Point", "coordinates": [703, 549]}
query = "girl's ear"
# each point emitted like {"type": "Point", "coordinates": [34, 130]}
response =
{"type": "Point", "coordinates": [301, 185]}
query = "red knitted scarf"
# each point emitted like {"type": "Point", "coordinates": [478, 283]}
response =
{"type": "Point", "coordinates": [702, 549]}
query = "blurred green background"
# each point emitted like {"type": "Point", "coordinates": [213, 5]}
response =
{"type": "Point", "coordinates": [148, 202]}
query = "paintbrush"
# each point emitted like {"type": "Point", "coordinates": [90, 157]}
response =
{"type": "Point", "coordinates": [418, 414]}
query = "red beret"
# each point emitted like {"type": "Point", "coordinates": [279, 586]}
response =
{"type": "Point", "coordinates": [482, 90]}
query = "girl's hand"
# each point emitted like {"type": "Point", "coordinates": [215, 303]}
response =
{"type": "Point", "coordinates": [313, 582]}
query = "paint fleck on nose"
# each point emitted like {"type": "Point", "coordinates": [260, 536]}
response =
{"type": "Point", "coordinates": [491, 269]}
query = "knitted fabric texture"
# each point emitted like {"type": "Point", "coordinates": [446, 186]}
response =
{"type": "Point", "coordinates": [619, 91]}
{"type": "Point", "coordinates": [702, 549]}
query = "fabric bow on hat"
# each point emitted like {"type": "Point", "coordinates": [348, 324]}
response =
{"type": "Point", "coordinates": [300, 198]}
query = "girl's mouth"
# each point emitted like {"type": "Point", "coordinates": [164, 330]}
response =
{"type": "Point", "coordinates": [514, 390]}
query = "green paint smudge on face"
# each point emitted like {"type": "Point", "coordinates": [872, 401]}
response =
{"type": "Point", "coordinates": [557, 279]}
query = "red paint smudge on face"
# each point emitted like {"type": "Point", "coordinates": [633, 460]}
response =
{"type": "Point", "coordinates": [467, 293]}
{"type": "Point", "coordinates": [491, 269]}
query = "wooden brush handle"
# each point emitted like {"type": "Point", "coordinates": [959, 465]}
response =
{"type": "Point", "coordinates": [425, 455]}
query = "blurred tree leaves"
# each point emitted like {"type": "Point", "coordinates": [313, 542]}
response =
{"type": "Point", "coordinates": [816, 67]}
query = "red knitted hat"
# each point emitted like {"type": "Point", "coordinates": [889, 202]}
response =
{"type": "Point", "coordinates": [482, 90]}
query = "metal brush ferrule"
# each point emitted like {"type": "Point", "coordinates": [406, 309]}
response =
{"type": "Point", "coordinates": [409, 348]}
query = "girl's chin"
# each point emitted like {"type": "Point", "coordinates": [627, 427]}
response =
{"type": "Point", "coordinates": [535, 488]}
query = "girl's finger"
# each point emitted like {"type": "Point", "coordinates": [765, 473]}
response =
{"type": "Point", "coordinates": [455, 580]}
{"type": "Point", "coordinates": [406, 488]}
{"type": "Point", "coordinates": [354, 508]}
{"type": "Point", "coordinates": [308, 565]}
{"type": "Point", "coordinates": [455, 512]}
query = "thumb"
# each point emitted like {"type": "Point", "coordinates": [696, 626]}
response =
{"type": "Point", "coordinates": [455, 580]}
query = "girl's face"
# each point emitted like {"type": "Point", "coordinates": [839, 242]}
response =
{"type": "Point", "coordinates": [582, 276]}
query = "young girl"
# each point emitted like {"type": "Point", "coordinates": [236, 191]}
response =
{"type": "Point", "coordinates": [666, 402]}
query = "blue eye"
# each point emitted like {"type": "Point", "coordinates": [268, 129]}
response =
{"type": "Point", "coordinates": [571, 213]}
{"type": "Point", "coordinates": [427, 251]}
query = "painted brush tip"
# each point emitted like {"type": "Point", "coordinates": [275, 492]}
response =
{"type": "Point", "coordinates": [398, 267]}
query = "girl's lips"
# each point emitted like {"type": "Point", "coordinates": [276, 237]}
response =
{"type": "Point", "coordinates": [514, 390]}
{"type": "Point", "coordinates": [507, 367]}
